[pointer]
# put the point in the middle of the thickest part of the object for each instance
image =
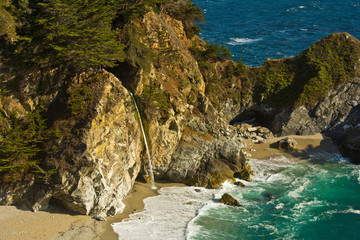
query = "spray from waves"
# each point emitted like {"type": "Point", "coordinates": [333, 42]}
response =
{"type": "Point", "coordinates": [243, 41]}
{"type": "Point", "coordinates": [294, 9]}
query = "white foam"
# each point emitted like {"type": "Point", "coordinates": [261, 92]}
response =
{"type": "Point", "coordinates": [279, 206]}
{"type": "Point", "coordinates": [351, 210]}
{"type": "Point", "coordinates": [294, 9]}
{"type": "Point", "coordinates": [165, 216]}
{"type": "Point", "coordinates": [243, 41]}
{"type": "Point", "coordinates": [278, 177]}
{"type": "Point", "coordinates": [296, 193]}
{"type": "Point", "coordinates": [347, 211]}
{"type": "Point", "coordinates": [170, 214]}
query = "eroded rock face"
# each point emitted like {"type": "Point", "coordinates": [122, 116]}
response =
{"type": "Point", "coordinates": [330, 112]}
{"type": "Point", "coordinates": [101, 162]}
{"type": "Point", "coordinates": [113, 147]}
{"type": "Point", "coordinates": [98, 155]}
{"type": "Point", "coordinates": [207, 155]}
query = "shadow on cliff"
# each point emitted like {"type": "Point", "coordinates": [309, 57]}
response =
{"type": "Point", "coordinates": [128, 74]}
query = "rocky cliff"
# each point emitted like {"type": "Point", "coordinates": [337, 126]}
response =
{"type": "Point", "coordinates": [90, 150]}
{"type": "Point", "coordinates": [95, 150]}
{"type": "Point", "coordinates": [76, 139]}
{"type": "Point", "coordinates": [317, 91]}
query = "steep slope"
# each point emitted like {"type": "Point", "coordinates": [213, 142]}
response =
{"type": "Point", "coordinates": [87, 148]}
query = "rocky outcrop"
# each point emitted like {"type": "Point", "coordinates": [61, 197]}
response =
{"type": "Point", "coordinates": [227, 199]}
{"type": "Point", "coordinates": [346, 135]}
{"type": "Point", "coordinates": [257, 134]}
{"type": "Point", "coordinates": [101, 161]}
{"type": "Point", "coordinates": [97, 147]}
{"type": "Point", "coordinates": [326, 115]}
{"type": "Point", "coordinates": [287, 143]}
{"type": "Point", "coordinates": [207, 155]}
{"type": "Point", "coordinates": [317, 91]}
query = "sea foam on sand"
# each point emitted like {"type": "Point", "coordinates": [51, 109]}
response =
{"type": "Point", "coordinates": [167, 215]}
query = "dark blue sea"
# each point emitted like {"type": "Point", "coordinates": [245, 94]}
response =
{"type": "Point", "coordinates": [258, 29]}
{"type": "Point", "coordinates": [313, 198]}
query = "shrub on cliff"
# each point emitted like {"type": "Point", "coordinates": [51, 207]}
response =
{"type": "Point", "coordinates": [307, 78]}
{"type": "Point", "coordinates": [21, 149]}
{"type": "Point", "coordinates": [186, 12]}
{"type": "Point", "coordinates": [75, 34]}
{"type": "Point", "coordinates": [7, 23]}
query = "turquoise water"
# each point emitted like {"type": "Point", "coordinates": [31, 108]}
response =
{"type": "Point", "coordinates": [260, 29]}
{"type": "Point", "coordinates": [289, 199]}
{"type": "Point", "coordinates": [315, 198]}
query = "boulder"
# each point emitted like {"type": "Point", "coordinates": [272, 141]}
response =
{"type": "Point", "coordinates": [227, 199]}
{"type": "Point", "coordinates": [244, 174]}
{"type": "Point", "coordinates": [287, 143]}
{"type": "Point", "coordinates": [240, 184]}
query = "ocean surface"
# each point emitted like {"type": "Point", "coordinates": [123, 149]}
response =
{"type": "Point", "coordinates": [314, 198]}
{"type": "Point", "coordinates": [258, 29]}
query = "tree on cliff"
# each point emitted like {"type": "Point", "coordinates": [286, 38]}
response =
{"type": "Point", "coordinates": [75, 34]}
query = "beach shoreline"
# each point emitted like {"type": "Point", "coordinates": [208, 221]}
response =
{"type": "Point", "coordinates": [57, 223]}
{"type": "Point", "coordinates": [306, 145]}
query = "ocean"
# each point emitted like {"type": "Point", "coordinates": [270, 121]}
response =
{"type": "Point", "coordinates": [259, 29]}
{"type": "Point", "coordinates": [313, 198]}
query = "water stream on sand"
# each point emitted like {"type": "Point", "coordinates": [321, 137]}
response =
{"type": "Point", "coordinates": [146, 143]}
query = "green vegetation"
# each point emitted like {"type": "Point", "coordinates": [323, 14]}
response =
{"type": "Point", "coordinates": [209, 53]}
{"type": "Point", "coordinates": [21, 148]}
{"type": "Point", "coordinates": [79, 99]}
{"type": "Point", "coordinates": [186, 12]}
{"type": "Point", "coordinates": [271, 78]}
{"type": "Point", "coordinates": [307, 78]}
{"type": "Point", "coordinates": [7, 22]}
{"type": "Point", "coordinates": [155, 97]}
{"type": "Point", "coordinates": [72, 34]}
{"type": "Point", "coordinates": [331, 62]}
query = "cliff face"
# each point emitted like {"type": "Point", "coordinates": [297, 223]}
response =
{"type": "Point", "coordinates": [171, 93]}
{"type": "Point", "coordinates": [94, 149]}
{"type": "Point", "coordinates": [81, 138]}
{"type": "Point", "coordinates": [317, 91]}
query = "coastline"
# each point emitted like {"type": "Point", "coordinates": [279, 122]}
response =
{"type": "Point", "coordinates": [57, 223]}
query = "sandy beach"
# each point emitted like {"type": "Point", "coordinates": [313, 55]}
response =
{"type": "Point", "coordinates": [305, 146]}
{"type": "Point", "coordinates": [57, 223]}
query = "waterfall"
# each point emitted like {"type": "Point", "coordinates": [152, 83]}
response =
{"type": "Point", "coordinates": [146, 144]}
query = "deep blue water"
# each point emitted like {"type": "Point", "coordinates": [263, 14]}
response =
{"type": "Point", "coordinates": [260, 29]}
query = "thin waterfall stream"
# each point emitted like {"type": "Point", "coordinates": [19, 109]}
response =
{"type": "Point", "coordinates": [146, 144]}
